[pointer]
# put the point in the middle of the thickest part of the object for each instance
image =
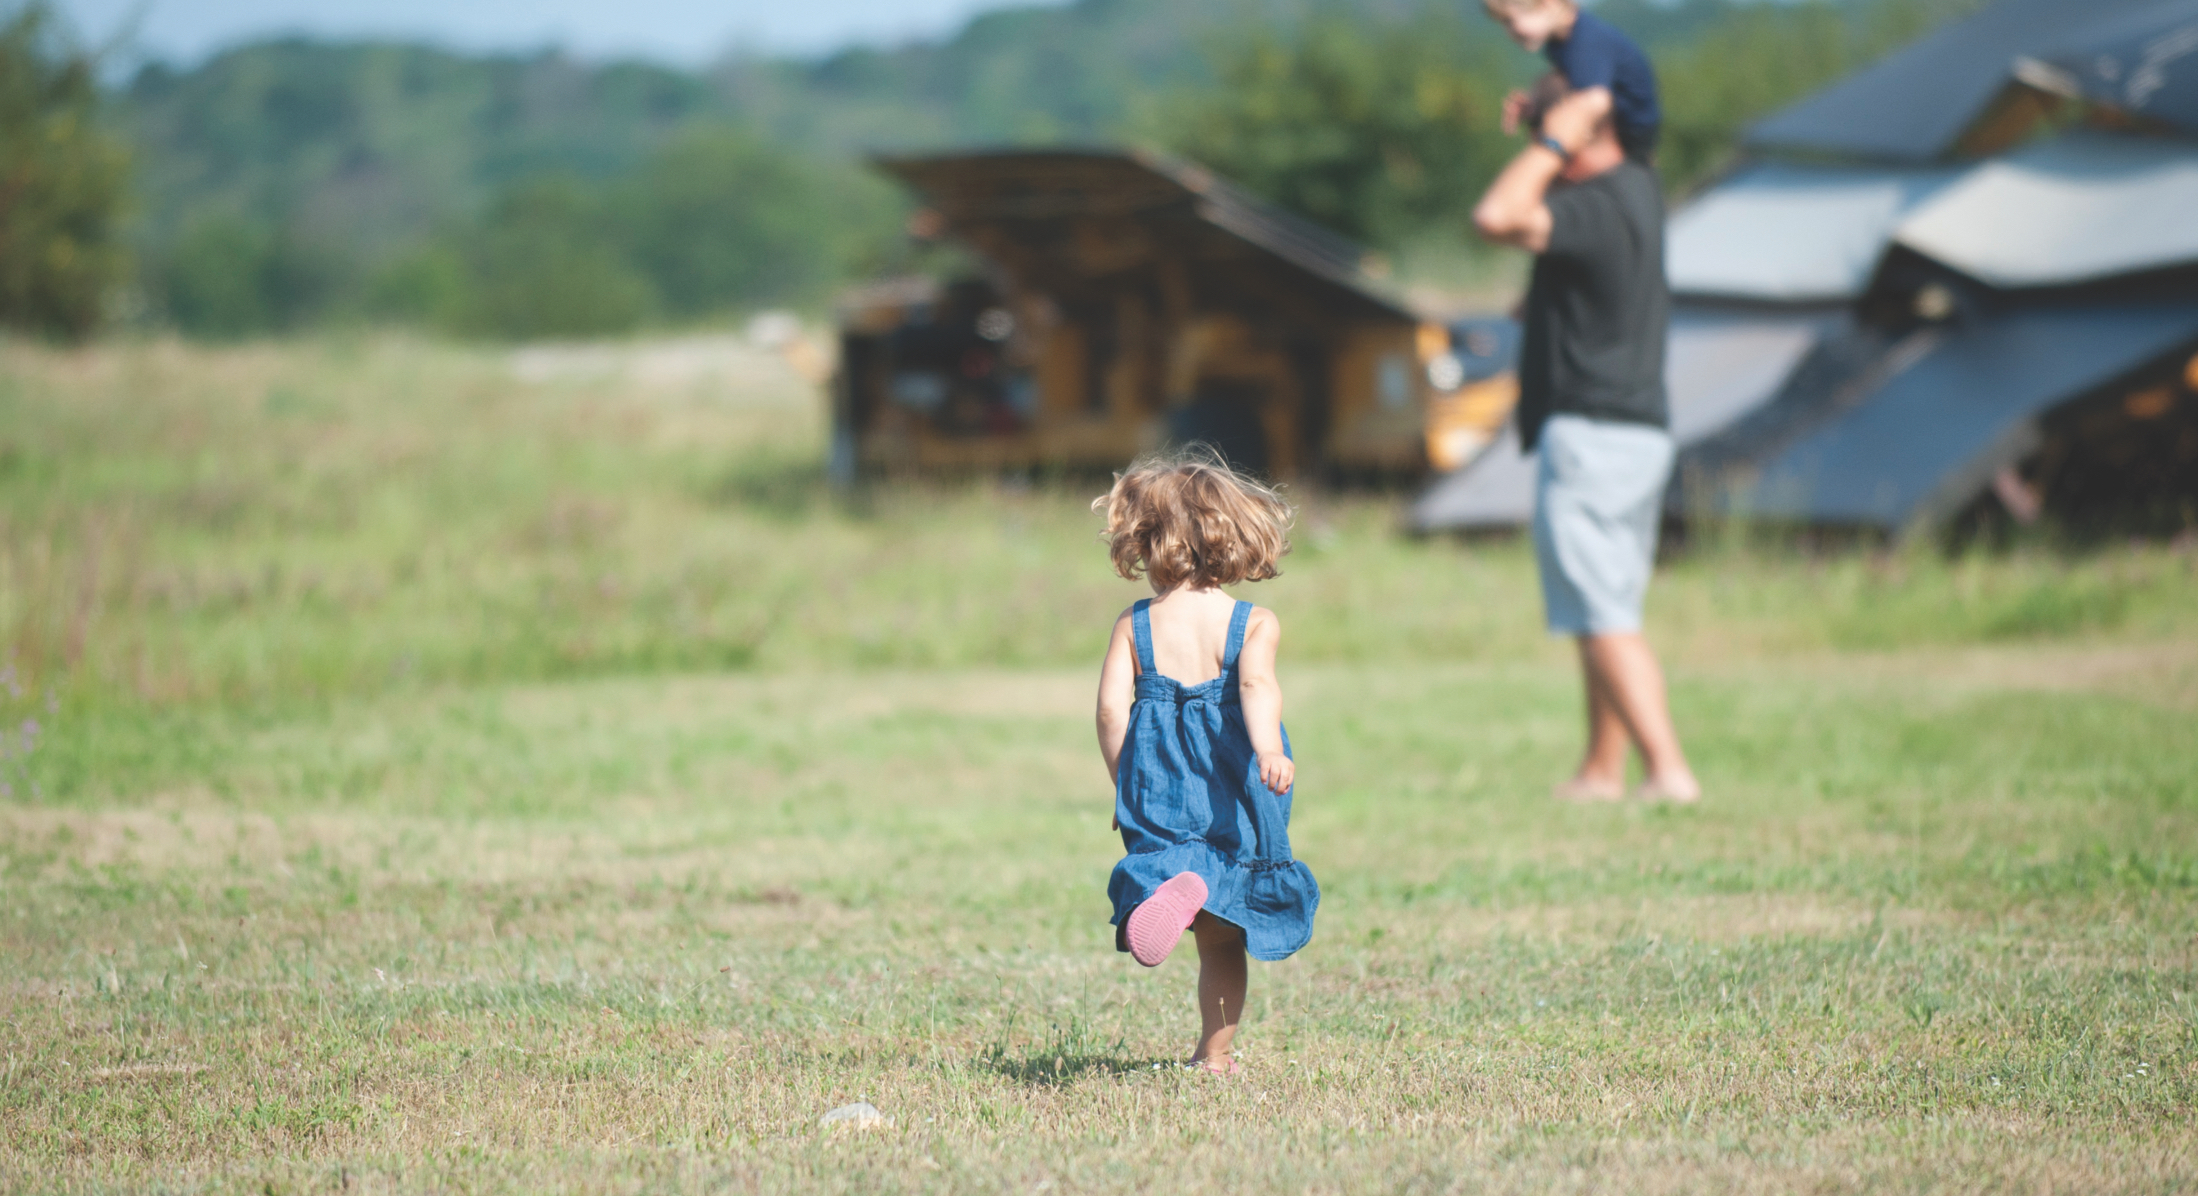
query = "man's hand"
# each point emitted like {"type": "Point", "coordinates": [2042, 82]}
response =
{"type": "Point", "coordinates": [1515, 211]}
{"type": "Point", "coordinates": [1277, 771]}
{"type": "Point", "coordinates": [1515, 107]}
{"type": "Point", "coordinates": [1572, 120]}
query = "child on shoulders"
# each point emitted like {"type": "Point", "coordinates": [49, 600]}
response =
{"type": "Point", "coordinates": [1608, 74]}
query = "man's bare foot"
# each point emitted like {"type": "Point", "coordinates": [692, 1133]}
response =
{"type": "Point", "coordinates": [1681, 788]}
{"type": "Point", "coordinates": [1580, 789]}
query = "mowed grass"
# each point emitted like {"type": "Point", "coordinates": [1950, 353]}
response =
{"type": "Point", "coordinates": [455, 771]}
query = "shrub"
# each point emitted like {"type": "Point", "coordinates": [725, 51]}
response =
{"type": "Point", "coordinates": [228, 276]}
{"type": "Point", "coordinates": [543, 264]}
{"type": "Point", "coordinates": [63, 179]}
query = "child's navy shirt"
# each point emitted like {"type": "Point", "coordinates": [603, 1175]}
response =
{"type": "Point", "coordinates": [1597, 55]}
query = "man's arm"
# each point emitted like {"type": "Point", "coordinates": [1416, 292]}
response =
{"type": "Point", "coordinates": [1515, 211]}
{"type": "Point", "coordinates": [1583, 109]}
{"type": "Point", "coordinates": [1591, 106]}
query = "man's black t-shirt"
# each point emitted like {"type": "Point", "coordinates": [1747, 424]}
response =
{"type": "Point", "coordinates": [1598, 309]}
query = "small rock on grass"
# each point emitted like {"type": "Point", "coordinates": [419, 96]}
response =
{"type": "Point", "coordinates": [861, 1113]}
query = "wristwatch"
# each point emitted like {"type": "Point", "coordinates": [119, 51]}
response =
{"type": "Point", "coordinates": [1556, 147]}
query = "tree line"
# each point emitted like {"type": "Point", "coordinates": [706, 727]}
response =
{"type": "Point", "coordinates": [295, 184]}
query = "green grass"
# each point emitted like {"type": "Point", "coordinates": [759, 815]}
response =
{"type": "Point", "coordinates": [451, 781]}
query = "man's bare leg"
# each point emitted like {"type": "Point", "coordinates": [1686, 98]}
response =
{"type": "Point", "coordinates": [1624, 670]}
{"type": "Point", "coordinates": [1602, 772]}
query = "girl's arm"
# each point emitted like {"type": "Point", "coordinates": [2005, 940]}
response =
{"type": "Point", "coordinates": [1262, 698]}
{"type": "Point", "coordinates": [1117, 690]}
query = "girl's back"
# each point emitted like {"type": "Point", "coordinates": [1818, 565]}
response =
{"type": "Point", "coordinates": [1190, 634]}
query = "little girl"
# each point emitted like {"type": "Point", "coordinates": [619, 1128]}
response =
{"type": "Point", "coordinates": [1190, 723]}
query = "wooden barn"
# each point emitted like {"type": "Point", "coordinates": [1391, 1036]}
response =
{"type": "Point", "coordinates": [1126, 301]}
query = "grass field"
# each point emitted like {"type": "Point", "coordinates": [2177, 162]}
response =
{"type": "Point", "coordinates": [438, 770]}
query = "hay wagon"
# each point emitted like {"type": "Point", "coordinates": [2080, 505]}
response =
{"type": "Point", "coordinates": [1126, 301]}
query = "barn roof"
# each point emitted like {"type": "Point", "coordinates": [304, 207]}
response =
{"type": "Point", "coordinates": [1952, 407]}
{"type": "Point", "coordinates": [1915, 105]}
{"type": "Point", "coordinates": [1777, 232]}
{"type": "Point", "coordinates": [2144, 63]}
{"type": "Point", "coordinates": [2080, 207]}
{"type": "Point", "coordinates": [1069, 221]}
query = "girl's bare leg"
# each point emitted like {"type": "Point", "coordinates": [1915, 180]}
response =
{"type": "Point", "coordinates": [1222, 979]}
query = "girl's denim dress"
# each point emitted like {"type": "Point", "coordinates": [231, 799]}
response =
{"type": "Point", "coordinates": [1189, 799]}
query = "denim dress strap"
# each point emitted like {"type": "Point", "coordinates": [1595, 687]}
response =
{"type": "Point", "coordinates": [1238, 620]}
{"type": "Point", "coordinates": [1141, 631]}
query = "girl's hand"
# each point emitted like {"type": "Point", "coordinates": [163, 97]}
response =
{"type": "Point", "coordinates": [1517, 108]}
{"type": "Point", "coordinates": [1277, 771]}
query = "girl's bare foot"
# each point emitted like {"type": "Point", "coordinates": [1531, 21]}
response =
{"type": "Point", "coordinates": [1226, 1065]}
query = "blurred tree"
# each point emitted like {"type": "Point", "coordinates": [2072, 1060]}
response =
{"type": "Point", "coordinates": [63, 182]}
{"type": "Point", "coordinates": [721, 219]}
{"type": "Point", "coordinates": [545, 262]}
{"type": "Point", "coordinates": [428, 285]}
{"type": "Point", "coordinates": [1373, 128]}
{"type": "Point", "coordinates": [229, 276]}
{"type": "Point", "coordinates": [716, 221]}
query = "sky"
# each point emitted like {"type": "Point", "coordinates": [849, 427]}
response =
{"type": "Point", "coordinates": [681, 31]}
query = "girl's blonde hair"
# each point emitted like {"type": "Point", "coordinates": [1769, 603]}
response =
{"type": "Point", "coordinates": [1188, 519]}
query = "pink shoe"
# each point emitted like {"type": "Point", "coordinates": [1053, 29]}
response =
{"type": "Point", "coordinates": [1156, 926]}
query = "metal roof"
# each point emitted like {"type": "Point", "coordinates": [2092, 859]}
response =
{"type": "Point", "coordinates": [2145, 63]}
{"type": "Point", "coordinates": [1792, 234]}
{"type": "Point", "coordinates": [1915, 104]}
{"type": "Point", "coordinates": [2083, 206]}
{"type": "Point", "coordinates": [1931, 434]}
{"type": "Point", "coordinates": [1068, 219]}
{"type": "Point", "coordinates": [1719, 366]}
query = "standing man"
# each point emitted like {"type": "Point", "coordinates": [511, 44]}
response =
{"type": "Point", "coordinates": [1591, 397]}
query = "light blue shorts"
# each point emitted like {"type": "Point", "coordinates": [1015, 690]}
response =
{"type": "Point", "coordinates": [1598, 503]}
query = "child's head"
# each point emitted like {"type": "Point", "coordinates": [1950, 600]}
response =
{"type": "Point", "coordinates": [1188, 519]}
{"type": "Point", "coordinates": [1531, 23]}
